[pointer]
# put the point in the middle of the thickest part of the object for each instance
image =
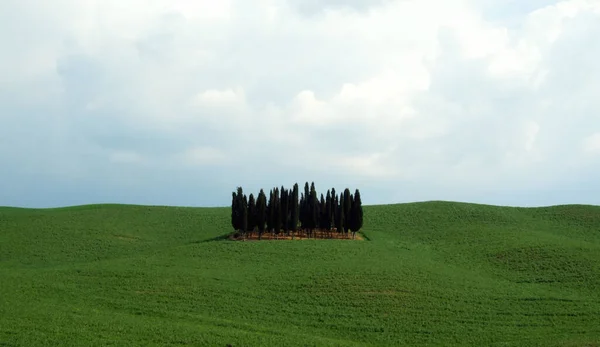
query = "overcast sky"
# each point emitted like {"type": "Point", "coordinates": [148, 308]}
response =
{"type": "Point", "coordinates": [178, 102]}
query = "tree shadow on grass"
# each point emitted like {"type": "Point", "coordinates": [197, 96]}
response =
{"type": "Point", "coordinates": [365, 237]}
{"type": "Point", "coordinates": [225, 237]}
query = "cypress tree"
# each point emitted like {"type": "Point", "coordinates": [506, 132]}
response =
{"type": "Point", "coordinates": [244, 215]}
{"type": "Point", "coordinates": [359, 210]}
{"type": "Point", "coordinates": [290, 219]}
{"type": "Point", "coordinates": [277, 212]}
{"type": "Point", "coordinates": [284, 209]}
{"type": "Point", "coordinates": [261, 213]}
{"type": "Point", "coordinates": [252, 222]}
{"type": "Point", "coordinates": [357, 214]}
{"type": "Point", "coordinates": [291, 206]}
{"type": "Point", "coordinates": [234, 210]}
{"type": "Point", "coordinates": [302, 211]}
{"type": "Point", "coordinates": [347, 205]}
{"type": "Point", "coordinates": [295, 209]}
{"type": "Point", "coordinates": [340, 214]}
{"type": "Point", "coordinates": [335, 210]}
{"type": "Point", "coordinates": [322, 214]}
{"type": "Point", "coordinates": [328, 211]}
{"type": "Point", "coordinates": [237, 213]}
{"type": "Point", "coordinates": [314, 208]}
{"type": "Point", "coordinates": [306, 190]}
{"type": "Point", "coordinates": [306, 208]}
{"type": "Point", "coordinates": [349, 218]}
{"type": "Point", "coordinates": [270, 212]}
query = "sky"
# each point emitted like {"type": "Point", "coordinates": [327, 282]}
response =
{"type": "Point", "coordinates": [178, 102]}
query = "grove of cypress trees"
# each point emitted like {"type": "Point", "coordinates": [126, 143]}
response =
{"type": "Point", "coordinates": [288, 209]}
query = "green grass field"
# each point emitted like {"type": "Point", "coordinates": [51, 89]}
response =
{"type": "Point", "coordinates": [429, 274]}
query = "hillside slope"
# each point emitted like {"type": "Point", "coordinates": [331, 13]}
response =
{"type": "Point", "coordinates": [435, 273]}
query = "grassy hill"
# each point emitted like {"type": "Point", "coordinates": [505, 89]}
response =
{"type": "Point", "coordinates": [434, 273]}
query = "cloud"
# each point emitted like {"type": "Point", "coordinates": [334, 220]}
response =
{"type": "Point", "coordinates": [477, 100]}
{"type": "Point", "coordinates": [202, 156]}
{"type": "Point", "coordinates": [591, 144]}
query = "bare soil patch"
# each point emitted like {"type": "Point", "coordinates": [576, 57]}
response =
{"type": "Point", "coordinates": [298, 235]}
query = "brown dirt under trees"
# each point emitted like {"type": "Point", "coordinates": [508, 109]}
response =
{"type": "Point", "coordinates": [299, 235]}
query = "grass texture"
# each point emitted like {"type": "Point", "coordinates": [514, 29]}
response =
{"type": "Point", "coordinates": [427, 274]}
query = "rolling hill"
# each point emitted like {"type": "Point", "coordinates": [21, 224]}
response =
{"type": "Point", "coordinates": [429, 274]}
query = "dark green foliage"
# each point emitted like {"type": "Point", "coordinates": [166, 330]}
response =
{"type": "Point", "coordinates": [340, 218]}
{"type": "Point", "coordinates": [290, 224]}
{"type": "Point", "coordinates": [244, 220]}
{"type": "Point", "coordinates": [261, 212]}
{"type": "Point", "coordinates": [295, 209]}
{"type": "Point", "coordinates": [305, 218]}
{"type": "Point", "coordinates": [349, 218]}
{"type": "Point", "coordinates": [276, 211]}
{"type": "Point", "coordinates": [285, 209]}
{"type": "Point", "coordinates": [357, 213]}
{"type": "Point", "coordinates": [302, 211]}
{"type": "Point", "coordinates": [334, 209]}
{"type": "Point", "coordinates": [322, 213]}
{"type": "Point", "coordinates": [328, 211]}
{"type": "Point", "coordinates": [313, 208]}
{"type": "Point", "coordinates": [252, 213]}
{"type": "Point", "coordinates": [237, 213]}
{"type": "Point", "coordinates": [271, 212]}
{"type": "Point", "coordinates": [347, 205]}
{"type": "Point", "coordinates": [234, 211]}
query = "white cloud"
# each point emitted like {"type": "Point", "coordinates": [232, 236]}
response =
{"type": "Point", "coordinates": [591, 144]}
{"type": "Point", "coordinates": [531, 131]}
{"type": "Point", "coordinates": [221, 99]}
{"type": "Point", "coordinates": [434, 95]}
{"type": "Point", "coordinates": [202, 156]}
{"type": "Point", "coordinates": [205, 9]}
